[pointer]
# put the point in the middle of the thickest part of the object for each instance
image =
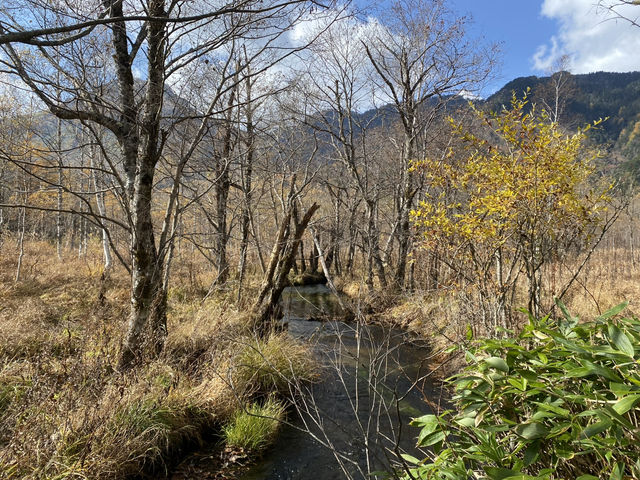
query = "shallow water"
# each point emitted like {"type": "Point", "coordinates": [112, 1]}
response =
{"type": "Point", "coordinates": [373, 385]}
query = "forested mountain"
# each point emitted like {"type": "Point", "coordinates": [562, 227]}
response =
{"type": "Point", "coordinates": [613, 97]}
{"type": "Point", "coordinates": [585, 98]}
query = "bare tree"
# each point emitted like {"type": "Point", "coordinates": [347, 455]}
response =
{"type": "Point", "coordinates": [157, 38]}
{"type": "Point", "coordinates": [337, 87]}
{"type": "Point", "coordinates": [555, 93]}
{"type": "Point", "coordinates": [621, 9]}
{"type": "Point", "coordinates": [420, 55]}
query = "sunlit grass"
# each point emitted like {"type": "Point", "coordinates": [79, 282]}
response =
{"type": "Point", "coordinates": [66, 412]}
{"type": "Point", "coordinates": [254, 428]}
{"type": "Point", "coordinates": [275, 363]}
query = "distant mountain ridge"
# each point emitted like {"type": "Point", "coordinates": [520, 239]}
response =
{"type": "Point", "coordinates": [593, 96]}
{"type": "Point", "coordinates": [615, 96]}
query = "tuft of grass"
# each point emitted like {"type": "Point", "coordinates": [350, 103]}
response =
{"type": "Point", "coordinates": [254, 428]}
{"type": "Point", "coordinates": [11, 390]}
{"type": "Point", "coordinates": [276, 363]}
{"type": "Point", "coordinates": [217, 397]}
{"type": "Point", "coordinates": [136, 428]}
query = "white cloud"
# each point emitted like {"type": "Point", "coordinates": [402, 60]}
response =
{"type": "Point", "coordinates": [591, 36]}
{"type": "Point", "coordinates": [469, 95]}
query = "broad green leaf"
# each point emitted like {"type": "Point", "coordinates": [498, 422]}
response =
{"type": "Point", "coordinates": [469, 333]}
{"type": "Point", "coordinates": [612, 311]}
{"type": "Point", "coordinates": [539, 335]}
{"type": "Point", "coordinates": [580, 372]}
{"type": "Point", "coordinates": [565, 453]}
{"type": "Point", "coordinates": [592, 369]}
{"type": "Point", "coordinates": [470, 357]}
{"type": "Point", "coordinates": [587, 477]}
{"type": "Point", "coordinates": [429, 424]}
{"type": "Point", "coordinates": [553, 408]}
{"type": "Point", "coordinates": [531, 431]}
{"type": "Point", "coordinates": [621, 389]}
{"type": "Point", "coordinates": [559, 429]}
{"type": "Point", "coordinates": [410, 459]}
{"type": "Point", "coordinates": [500, 473]}
{"type": "Point", "coordinates": [621, 340]}
{"type": "Point", "coordinates": [522, 476]}
{"type": "Point", "coordinates": [516, 383]}
{"type": "Point", "coordinates": [426, 422]}
{"type": "Point", "coordinates": [617, 472]}
{"type": "Point", "coordinates": [431, 439]}
{"type": "Point", "coordinates": [466, 422]}
{"type": "Point", "coordinates": [596, 428]}
{"type": "Point", "coordinates": [625, 404]}
{"type": "Point", "coordinates": [497, 363]}
{"type": "Point", "coordinates": [616, 417]}
{"type": "Point", "coordinates": [542, 414]}
{"type": "Point", "coordinates": [531, 453]}
{"type": "Point", "coordinates": [563, 309]}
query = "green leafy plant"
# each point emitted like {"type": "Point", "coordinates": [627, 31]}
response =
{"type": "Point", "coordinates": [558, 401]}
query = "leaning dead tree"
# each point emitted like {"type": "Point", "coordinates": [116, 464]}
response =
{"type": "Point", "coordinates": [281, 261]}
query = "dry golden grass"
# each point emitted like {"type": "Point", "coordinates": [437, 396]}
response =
{"type": "Point", "coordinates": [608, 279]}
{"type": "Point", "coordinates": [65, 412]}
{"type": "Point", "coordinates": [275, 363]}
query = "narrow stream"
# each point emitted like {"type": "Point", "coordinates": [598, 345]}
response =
{"type": "Point", "coordinates": [360, 411]}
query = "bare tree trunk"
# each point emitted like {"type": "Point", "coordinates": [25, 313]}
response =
{"type": "Point", "coordinates": [313, 259]}
{"type": "Point", "coordinates": [303, 261]}
{"type": "Point", "coordinates": [222, 194]}
{"type": "Point", "coordinates": [102, 210]}
{"type": "Point", "coordinates": [172, 245]}
{"type": "Point", "coordinates": [22, 226]}
{"type": "Point", "coordinates": [280, 263]}
{"type": "Point", "coordinates": [247, 180]}
{"type": "Point", "coordinates": [2, 220]}
{"type": "Point", "coordinates": [59, 189]}
{"type": "Point", "coordinates": [406, 199]}
{"type": "Point", "coordinates": [223, 184]}
{"type": "Point", "coordinates": [98, 186]}
{"type": "Point", "coordinates": [353, 233]}
{"type": "Point", "coordinates": [148, 298]}
{"type": "Point", "coordinates": [325, 268]}
{"type": "Point", "coordinates": [335, 239]}
{"type": "Point", "coordinates": [374, 246]}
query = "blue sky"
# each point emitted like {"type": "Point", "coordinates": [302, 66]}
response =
{"type": "Point", "coordinates": [518, 26]}
{"type": "Point", "coordinates": [533, 33]}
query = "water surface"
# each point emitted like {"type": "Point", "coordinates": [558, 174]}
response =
{"type": "Point", "coordinates": [374, 383]}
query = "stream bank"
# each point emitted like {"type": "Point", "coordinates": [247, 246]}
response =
{"type": "Point", "coordinates": [355, 421]}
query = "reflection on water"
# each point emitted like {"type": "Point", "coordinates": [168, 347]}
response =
{"type": "Point", "coordinates": [311, 301]}
{"type": "Point", "coordinates": [373, 385]}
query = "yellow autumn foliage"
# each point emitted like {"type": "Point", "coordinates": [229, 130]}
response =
{"type": "Point", "coordinates": [518, 188]}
